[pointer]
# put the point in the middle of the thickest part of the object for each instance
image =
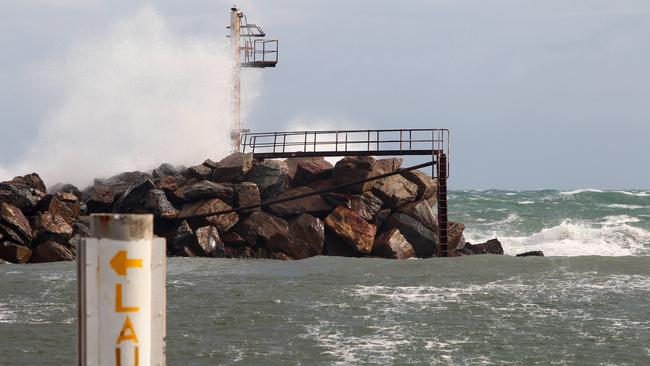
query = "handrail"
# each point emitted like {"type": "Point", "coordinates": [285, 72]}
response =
{"type": "Point", "coordinates": [368, 142]}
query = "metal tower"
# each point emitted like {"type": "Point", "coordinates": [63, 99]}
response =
{"type": "Point", "coordinates": [249, 49]}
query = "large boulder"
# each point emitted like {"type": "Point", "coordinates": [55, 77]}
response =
{"type": "Point", "coordinates": [427, 186]}
{"type": "Point", "coordinates": [233, 239]}
{"type": "Point", "coordinates": [421, 211]}
{"type": "Point", "coordinates": [120, 183]}
{"type": "Point", "coordinates": [33, 180]}
{"type": "Point", "coordinates": [14, 253]}
{"type": "Point", "coordinates": [199, 172]}
{"type": "Point", "coordinates": [422, 239]}
{"type": "Point", "coordinates": [52, 227]}
{"type": "Point", "coordinates": [271, 177]}
{"type": "Point", "coordinates": [352, 228]}
{"type": "Point", "coordinates": [63, 204]}
{"type": "Point", "coordinates": [310, 170]}
{"type": "Point", "coordinates": [261, 226]}
{"type": "Point", "coordinates": [20, 195]}
{"type": "Point", "coordinates": [337, 247]}
{"type": "Point", "coordinates": [492, 246]}
{"type": "Point", "coordinates": [206, 189]}
{"type": "Point", "coordinates": [233, 167]}
{"type": "Point", "coordinates": [182, 237]}
{"type": "Point", "coordinates": [99, 199]}
{"type": "Point", "coordinates": [209, 243]}
{"type": "Point", "coordinates": [392, 244]}
{"type": "Point", "coordinates": [51, 252]}
{"type": "Point", "coordinates": [15, 223]}
{"type": "Point", "coordinates": [157, 203]}
{"type": "Point", "coordinates": [313, 204]}
{"type": "Point", "coordinates": [168, 170]}
{"type": "Point", "coordinates": [304, 239]}
{"type": "Point", "coordinates": [223, 222]}
{"type": "Point", "coordinates": [533, 253]}
{"type": "Point", "coordinates": [248, 194]}
{"type": "Point", "coordinates": [395, 191]}
{"type": "Point", "coordinates": [367, 205]}
{"type": "Point", "coordinates": [355, 168]}
{"type": "Point", "coordinates": [133, 199]}
{"type": "Point", "coordinates": [455, 238]}
{"type": "Point", "coordinates": [389, 165]}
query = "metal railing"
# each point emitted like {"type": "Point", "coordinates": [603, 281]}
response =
{"type": "Point", "coordinates": [392, 142]}
{"type": "Point", "coordinates": [260, 53]}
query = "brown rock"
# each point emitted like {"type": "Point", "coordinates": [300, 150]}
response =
{"type": "Point", "coordinates": [305, 238]}
{"type": "Point", "coordinates": [171, 183]}
{"type": "Point", "coordinates": [312, 204]}
{"type": "Point", "coordinates": [421, 211]}
{"type": "Point", "coordinates": [11, 234]}
{"type": "Point", "coordinates": [354, 230]}
{"type": "Point", "coordinates": [209, 243]}
{"type": "Point", "coordinates": [312, 169]}
{"type": "Point", "coordinates": [455, 239]}
{"type": "Point", "coordinates": [52, 227]}
{"type": "Point", "coordinates": [199, 172]}
{"type": "Point", "coordinates": [168, 170]}
{"type": "Point", "coordinates": [354, 168]}
{"type": "Point", "coordinates": [366, 205]}
{"type": "Point", "coordinates": [392, 244]}
{"type": "Point", "coordinates": [133, 200]}
{"type": "Point", "coordinates": [492, 246]}
{"type": "Point", "coordinates": [271, 177]}
{"type": "Point", "coordinates": [33, 180]}
{"type": "Point", "coordinates": [247, 195]}
{"type": "Point", "coordinates": [261, 226]}
{"type": "Point", "coordinates": [335, 246]}
{"type": "Point", "coordinates": [233, 167]}
{"type": "Point", "coordinates": [389, 165]}
{"type": "Point", "coordinates": [183, 237]}
{"type": "Point", "coordinates": [395, 191]}
{"type": "Point", "coordinates": [15, 253]}
{"type": "Point", "coordinates": [232, 252]}
{"type": "Point", "coordinates": [51, 252]}
{"type": "Point", "coordinates": [158, 204]}
{"type": "Point", "coordinates": [120, 183]}
{"type": "Point", "coordinates": [14, 219]}
{"type": "Point", "coordinates": [422, 239]}
{"type": "Point", "coordinates": [382, 216]}
{"type": "Point", "coordinates": [427, 186]}
{"type": "Point", "coordinates": [233, 239]}
{"type": "Point", "coordinates": [20, 195]}
{"type": "Point", "coordinates": [61, 204]}
{"type": "Point", "coordinates": [534, 253]}
{"type": "Point", "coordinates": [206, 189]}
{"type": "Point", "coordinates": [99, 199]}
{"type": "Point", "coordinates": [222, 222]}
{"type": "Point", "coordinates": [210, 164]}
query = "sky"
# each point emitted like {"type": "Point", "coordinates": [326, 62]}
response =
{"type": "Point", "coordinates": [537, 94]}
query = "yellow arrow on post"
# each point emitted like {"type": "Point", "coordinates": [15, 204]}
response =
{"type": "Point", "coordinates": [121, 262]}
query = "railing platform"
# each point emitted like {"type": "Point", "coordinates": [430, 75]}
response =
{"type": "Point", "coordinates": [394, 142]}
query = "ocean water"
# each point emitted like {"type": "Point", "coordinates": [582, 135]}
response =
{"type": "Point", "coordinates": [586, 303]}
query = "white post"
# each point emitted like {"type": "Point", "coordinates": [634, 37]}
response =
{"type": "Point", "coordinates": [121, 293]}
{"type": "Point", "coordinates": [235, 35]}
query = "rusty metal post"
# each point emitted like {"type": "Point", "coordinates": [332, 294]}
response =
{"type": "Point", "coordinates": [235, 35]}
{"type": "Point", "coordinates": [121, 293]}
{"type": "Point", "coordinates": [443, 224]}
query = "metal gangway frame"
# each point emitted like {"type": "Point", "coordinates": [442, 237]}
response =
{"type": "Point", "coordinates": [382, 142]}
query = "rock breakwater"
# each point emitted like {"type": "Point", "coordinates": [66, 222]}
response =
{"type": "Point", "coordinates": [390, 217]}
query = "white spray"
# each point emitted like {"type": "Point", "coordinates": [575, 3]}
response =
{"type": "Point", "coordinates": [131, 99]}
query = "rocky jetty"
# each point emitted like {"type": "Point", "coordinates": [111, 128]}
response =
{"type": "Point", "coordinates": [390, 217]}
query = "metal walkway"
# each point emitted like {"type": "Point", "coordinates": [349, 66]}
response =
{"type": "Point", "coordinates": [395, 142]}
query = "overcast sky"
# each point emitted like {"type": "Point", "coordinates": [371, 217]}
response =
{"type": "Point", "coordinates": [537, 94]}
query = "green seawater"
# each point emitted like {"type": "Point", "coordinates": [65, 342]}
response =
{"type": "Point", "coordinates": [587, 303]}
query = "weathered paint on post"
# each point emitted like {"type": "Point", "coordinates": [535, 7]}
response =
{"type": "Point", "coordinates": [121, 293]}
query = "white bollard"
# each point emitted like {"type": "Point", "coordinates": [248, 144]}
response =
{"type": "Point", "coordinates": [121, 293]}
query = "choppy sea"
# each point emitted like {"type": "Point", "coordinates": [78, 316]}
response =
{"type": "Point", "coordinates": [586, 303]}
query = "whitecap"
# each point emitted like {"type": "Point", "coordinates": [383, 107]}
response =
{"type": "Point", "coordinates": [578, 191]}
{"type": "Point", "coordinates": [636, 194]}
{"type": "Point", "coordinates": [526, 202]}
{"type": "Point", "coordinates": [625, 207]}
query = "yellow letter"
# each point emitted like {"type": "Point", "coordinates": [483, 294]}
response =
{"type": "Point", "coordinates": [118, 301]}
{"type": "Point", "coordinates": [118, 356]}
{"type": "Point", "coordinates": [128, 326]}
